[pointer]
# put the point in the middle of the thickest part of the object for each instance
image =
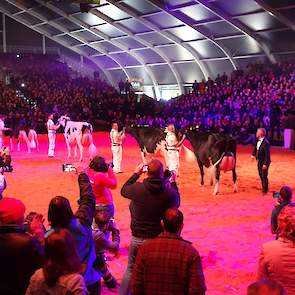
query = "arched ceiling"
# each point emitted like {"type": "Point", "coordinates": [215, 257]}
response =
{"type": "Point", "coordinates": [171, 42]}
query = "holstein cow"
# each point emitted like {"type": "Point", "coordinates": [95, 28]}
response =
{"type": "Point", "coordinates": [78, 134]}
{"type": "Point", "coordinates": [151, 141]}
{"type": "Point", "coordinates": [215, 151]}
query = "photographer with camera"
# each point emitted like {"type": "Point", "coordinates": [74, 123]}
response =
{"type": "Point", "coordinates": [105, 227]}
{"type": "Point", "coordinates": [284, 199]}
{"type": "Point", "coordinates": [149, 201]}
{"type": "Point", "coordinates": [103, 179]}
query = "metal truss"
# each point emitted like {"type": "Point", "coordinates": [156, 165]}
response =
{"type": "Point", "coordinates": [40, 31]}
{"type": "Point", "coordinates": [189, 22]}
{"type": "Point", "coordinates": [275, 13]}
{"type": "Point", "coordinates": [239, 26]}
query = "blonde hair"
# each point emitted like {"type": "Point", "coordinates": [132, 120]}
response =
{"type": "Point", "coordinates": [286, 223]}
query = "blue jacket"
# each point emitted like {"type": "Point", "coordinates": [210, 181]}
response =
{"type": "Point", "coordinates": [80, 227]}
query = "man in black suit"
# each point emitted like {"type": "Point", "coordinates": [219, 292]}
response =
{"type": "Point", "coordinates": [261, 153]}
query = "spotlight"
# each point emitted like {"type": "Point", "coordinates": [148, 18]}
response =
{"type": "Point", "coordinates": [22, 85]}
{"type": "Point", "coordinates": [18, 56]}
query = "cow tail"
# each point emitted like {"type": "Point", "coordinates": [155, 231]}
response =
{"type": "Point", "coordinates": [92, 150]}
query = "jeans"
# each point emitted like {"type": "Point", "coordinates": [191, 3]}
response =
{"type": "Point", "coordinates": [133, 248]}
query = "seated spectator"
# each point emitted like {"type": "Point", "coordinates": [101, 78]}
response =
{"type": "Point", "coordinates": [101, 235]}
{"type": "Point", "coordinates": [20, 252]}
{"type": "Point", "coordinates": [60, 274]}
{"type": "Point", "coordinates": [60, 215]}
{"type": "Point", "coordinates": [284, 199]}
{"type": "Point", "coordinates": [149, 201]}
{"type": "Point", "coordinates": [168, 264]}
{"type": "Point", "coordinates": [2, 186]}
{"type": "Point", "coordinates": [265, 287]}
{"type": "Point", "coordinates": [103, 180]}
{"type": "Point", "coordinates": [5, 160]}
{"type": "Point", "coordinates": [277, 258]}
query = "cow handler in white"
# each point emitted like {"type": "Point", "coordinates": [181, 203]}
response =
{"type": "Point", "coordinates": [2, 129]}
{"type": "Point", "coordinates": [52, 128]}
{"type": "Point", "coordinates": [172, 145]}
{"type": "Point", "coordinates": [117, 140]}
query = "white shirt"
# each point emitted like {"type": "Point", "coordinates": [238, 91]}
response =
{"type": "Point", "coordinates": [259, 142]}
{"type": "Point", "coordinates": [171, 140]}
{"type": "Point", "coordinates": [50, 126]}
{"type": "Point", "coordinates": [116, 137]}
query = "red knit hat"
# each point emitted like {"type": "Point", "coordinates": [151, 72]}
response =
{"type": "Point", "coordinates": [11, 210]}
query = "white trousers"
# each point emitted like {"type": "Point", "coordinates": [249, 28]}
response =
{"type": "Point", "coordinates": [117, 158]}
{"type": "Point", "coordinates": [51, 147]}
{"type": "Point", "coordinates": [173, 161]}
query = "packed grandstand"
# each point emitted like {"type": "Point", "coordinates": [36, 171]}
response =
{"type": "Point", "coordinates": [35, 85]}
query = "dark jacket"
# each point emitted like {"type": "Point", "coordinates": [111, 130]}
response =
{"type": "Point", "coordinates": [80, 228]}
{"type": "Point", "coordinates": [263, 154]}
{"type": "Point", "coordinates": [20, 256]}
{"type": "Point", "coordinates": [149, 200]}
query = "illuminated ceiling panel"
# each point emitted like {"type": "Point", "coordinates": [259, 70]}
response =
{"type": "Point", "coordinates": [260, 21]}
{"type": "Point", "coordinates": [166, 42]}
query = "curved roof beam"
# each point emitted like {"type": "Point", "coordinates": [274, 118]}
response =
{"type": "Point", "coordinates": [279, 16]}
{"type": "Point", "coordinates": [189, 22]}
{"type": "Point", "coordinates": [144, 42]}
{"type": "Point", "coordinates": [239, 26]}
{"type": "Point", "coordinates": [107, 38]}
{"type": "Point", "coordinates": [63, 29]}
{"type": "Point", "coordinates": [64, 44]}
{"type": "Point", "coordinates": [122, 6]}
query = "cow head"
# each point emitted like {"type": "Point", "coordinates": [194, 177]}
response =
{"type": "Point", "coordinates": [63, 120]}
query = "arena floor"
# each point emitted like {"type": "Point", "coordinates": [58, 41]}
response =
{"type": "Point", "coordinates": [227, 229]}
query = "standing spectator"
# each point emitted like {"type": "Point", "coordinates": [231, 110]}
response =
{"type": "Point", "coordinates": [168, 264]}
{"type": "Point", "coordinates": [195, 87]}
{"type": "Point", "coordinates": [60, 274]}
{"type": "Point", "coordinates": [262, 154]}
{"type": "Point", "coordinates": [103, 179]}
{"type": "Point", "coordinates": [275, 121]}
{"type": "Point", "coordinates": [149, 200]}
{"type": "Point", "coordinates": [121, 86]}
{"type": "Point", "coordinates": [60, 215]}
{"type": "Point", "coordinates": [20, 252]}
{"type": "Point", "coordinates": [128, 87]}
{"type": "Point", "coordinates": [265, 287]}
{"type": "Point", "coordinates": [105, 227]}
{"type": "Point", "coordinates": [285, 199]}
{"type": "Point", "coordinates": [277, 258]}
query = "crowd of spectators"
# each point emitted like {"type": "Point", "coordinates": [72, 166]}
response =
{"type": "Point", "coordinates": [261, 95]}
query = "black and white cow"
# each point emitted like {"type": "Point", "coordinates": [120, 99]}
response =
{"type": "Point", "coordinates": [210, 149]}
{"type": "Point", "coordinates": [78, 134]}
{"type": "Point", "coordinates": [151, 141]}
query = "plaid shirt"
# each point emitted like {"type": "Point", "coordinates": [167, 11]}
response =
{"type": "Point", "coordinates": [168, 265]}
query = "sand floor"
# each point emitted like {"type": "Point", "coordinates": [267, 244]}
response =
{"type": "Point", "coordinates": [227, 229]}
